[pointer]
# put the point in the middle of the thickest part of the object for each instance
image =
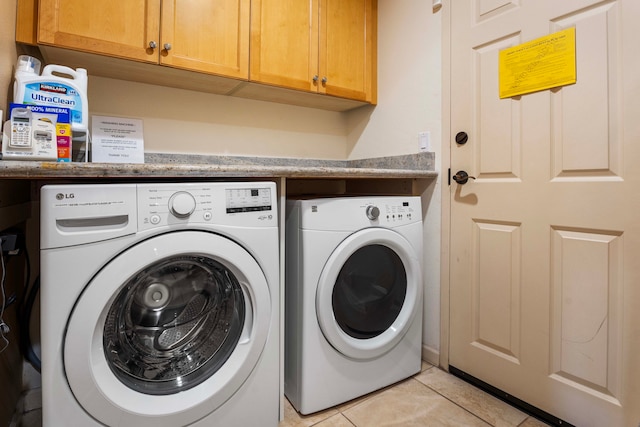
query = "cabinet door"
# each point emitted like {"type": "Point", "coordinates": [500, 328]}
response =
{"type": "Point", "coordinates": [122, 28]}
{"type": "Point", "coordinates": [347, 64]}
{"type": "Point", "coordinates": [284, 43]}
{"type": "Point", "coordinates": [347, 52]}
{"type": "Point", "coordinates": [206, 36]}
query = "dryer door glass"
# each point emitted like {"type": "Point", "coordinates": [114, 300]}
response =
{"type": "Point", "coordinates": [174, 324]}
{"type": "Point", "coordinates": [369, 292]}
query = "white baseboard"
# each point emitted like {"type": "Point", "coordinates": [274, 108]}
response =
{"type": "Point", "coordinates": [431, 355]}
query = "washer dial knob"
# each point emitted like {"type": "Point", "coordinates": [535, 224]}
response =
{"type": "Point", "coordinates": [372, 212]}
{"type": "Point", "coordinates": [182, 204]}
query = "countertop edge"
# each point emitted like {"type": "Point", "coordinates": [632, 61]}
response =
{"type": "Point", "coordinates": [47, 170]}
{"type": "Point", "coordinates": [162, 165]}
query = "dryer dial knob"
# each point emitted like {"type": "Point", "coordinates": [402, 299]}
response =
{"type": "Point", "coordinates": [182, 204]}
{"type": "Point", "coordinates": [373, 212]}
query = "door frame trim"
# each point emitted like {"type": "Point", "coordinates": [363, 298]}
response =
{"type": "Point", "coordinates": [445, 187]}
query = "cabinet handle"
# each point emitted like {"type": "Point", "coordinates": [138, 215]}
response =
{"type": "Point", "coordinates": [167, 46]}
{"type": "Point", "coordinates": [153, 44]}
{"type": "Point", "coordinates": [315, 78]}
{"type": "Point", "coordinates": [324, 80]}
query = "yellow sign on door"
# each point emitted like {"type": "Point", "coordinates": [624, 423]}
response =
{"type": "Point", "coordinates": [540, 64]}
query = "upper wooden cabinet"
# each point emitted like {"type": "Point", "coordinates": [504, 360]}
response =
{"type": "Point", "coordinates": [325, 46]}
{"type": "Point", "coordinates": [210, 37]}
{"type": "Point", "coordinates": [209, 46]}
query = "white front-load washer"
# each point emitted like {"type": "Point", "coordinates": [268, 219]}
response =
{"type": "Point", "coordinates": [353, 297]}
{"type": "Point", "coordinates": [160, 304]}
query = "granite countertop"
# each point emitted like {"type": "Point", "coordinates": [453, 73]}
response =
{"type": "Point", "coordinates": [158, 165]}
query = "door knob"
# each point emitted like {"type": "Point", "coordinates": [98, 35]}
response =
{"type": "Point", "coordinates": [461, 177]}
{"type": "Point", "coordinates": [462, 138]}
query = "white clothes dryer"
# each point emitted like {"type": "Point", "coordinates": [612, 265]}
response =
{"type": "Point", "coordinates": [160, 304]}
{"type": "Point", "coordinates": [353, 297]}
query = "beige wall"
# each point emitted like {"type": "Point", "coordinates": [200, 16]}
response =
{"type": "Point", "coordinates": [183, 121]}
{"type": "Point", "coordinates": [409, 83]}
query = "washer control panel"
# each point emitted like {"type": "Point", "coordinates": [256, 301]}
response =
{"type": "Point", "coordinates": [206, 203]}
{"type": "Point", "coordinates": [248, 200]}
{"type": "Point", "coordinates": [182, 204]}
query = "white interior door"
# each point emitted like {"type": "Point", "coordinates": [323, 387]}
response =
{"type": "Point", "coordinates": [544, 275]}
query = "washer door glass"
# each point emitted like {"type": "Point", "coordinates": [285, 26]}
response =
{"type": "Point", "coordinates": [174, 324]}
{"type": "Point", "coordinates": [168, 330]}
{"type": "Point", "coordinates": [368, 293]}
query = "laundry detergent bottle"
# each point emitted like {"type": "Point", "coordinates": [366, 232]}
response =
{"type": "Point", "coordinates": [58, 86]}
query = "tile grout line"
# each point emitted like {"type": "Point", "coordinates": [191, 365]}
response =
{"type": "Point", "coordinates": [423, 384]}
{"type": "Point", "coordinates": [452, 401]}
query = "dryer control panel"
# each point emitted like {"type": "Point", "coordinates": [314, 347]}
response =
{"type": "Point", "coordinates": [353, 213]}
{"type": "Point", "coordinates": [397, 212]}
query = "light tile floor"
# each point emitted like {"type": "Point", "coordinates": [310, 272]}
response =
{"type": "Point", "coordinates": [431, 398]}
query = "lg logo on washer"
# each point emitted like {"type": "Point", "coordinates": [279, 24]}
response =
{"type": "Point", "coordinates": [62, 196]}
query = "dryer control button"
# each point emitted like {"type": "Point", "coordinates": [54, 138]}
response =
{"type": "Point", "coordinates": [373, 212]}
{"type": "Point", "coordinates": [182, 204]}
{"type": "Point", "coordinates": [154, 219]}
